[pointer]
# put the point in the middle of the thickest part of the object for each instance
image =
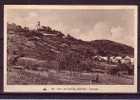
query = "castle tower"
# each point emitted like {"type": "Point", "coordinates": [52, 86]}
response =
{"type": "Point", "coordinates": [38, 26]}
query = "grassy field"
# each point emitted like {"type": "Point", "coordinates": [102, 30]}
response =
{"type": "Point", "coordinates": [52, 77]}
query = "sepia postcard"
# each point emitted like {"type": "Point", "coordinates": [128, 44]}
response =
{"type": "Point", "coordinates": [70, 48]}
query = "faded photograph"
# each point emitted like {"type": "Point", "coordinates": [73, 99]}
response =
{"type": "Point", "coordinates": [70, 46]}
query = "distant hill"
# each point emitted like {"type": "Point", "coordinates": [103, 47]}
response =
{"type": "Point", "coordinates": [107, 47]}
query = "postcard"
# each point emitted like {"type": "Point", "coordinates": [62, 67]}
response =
{"type": "Point", "coordinates": [70, 48]}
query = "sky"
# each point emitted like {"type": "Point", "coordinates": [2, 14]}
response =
{"type": "Point", "coordinates": [88, 25]}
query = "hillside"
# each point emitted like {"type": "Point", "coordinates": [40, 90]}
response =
{"type": "Point", "coordinates": [53, 46]}
{"type": "Point", "coordinates": [110, 48]}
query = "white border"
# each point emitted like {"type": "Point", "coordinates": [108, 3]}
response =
{"type": "Point", "coordinates": [88, 88]}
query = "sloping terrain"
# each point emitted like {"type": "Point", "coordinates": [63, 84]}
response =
{"type": "Point", "coordinates": [57, 51]}
{"type": "Point", "coordinates": [46, 43]}
{"type": "Point", "coordinates": [110, 48]}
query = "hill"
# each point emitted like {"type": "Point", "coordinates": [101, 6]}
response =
{"type": "Point", "coordinates": [111, 48]}
{"type": "Point", "coordinates": [58, 49]}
